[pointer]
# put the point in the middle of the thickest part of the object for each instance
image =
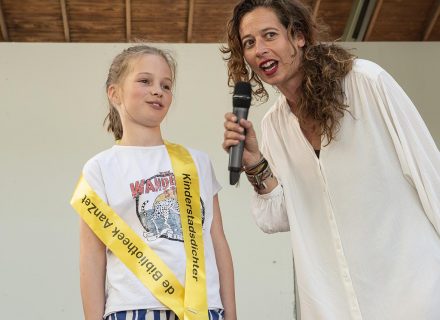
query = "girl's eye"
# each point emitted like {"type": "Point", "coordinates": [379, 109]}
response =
{"type": "Point", "coordinates": [146, 81]}
{"type": "Point", "coordinates": [166, 87]}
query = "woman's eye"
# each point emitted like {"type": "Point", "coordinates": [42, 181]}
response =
{"type": "Point", "coordinates": [248, 43]}
{"type": "Point", "coordinates": [270, 35]}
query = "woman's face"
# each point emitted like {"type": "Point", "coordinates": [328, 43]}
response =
{"type": "Point", "coordinates": [268, 50]}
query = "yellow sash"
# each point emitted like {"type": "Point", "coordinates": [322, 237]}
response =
{"type": "Point", "coordinates": [189, 303]}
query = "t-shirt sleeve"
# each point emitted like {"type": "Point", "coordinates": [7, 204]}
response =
{"type": "Point", "coordinates": [93, 175]}
{"type": "Point", "coordinates": [216, 187]}
{"type": "Point", "coordinates": [206, 171]}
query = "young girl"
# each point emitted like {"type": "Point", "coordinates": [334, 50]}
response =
{"type": "Point", "coordinates": [135, 184]}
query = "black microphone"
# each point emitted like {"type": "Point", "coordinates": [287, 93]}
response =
{"type": "Point", "coordinates": [241, 101]}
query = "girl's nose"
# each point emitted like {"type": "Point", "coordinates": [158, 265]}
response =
{"type": "Point", "coordinates": [156, 91]}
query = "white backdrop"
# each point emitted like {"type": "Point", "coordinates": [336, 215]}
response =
{"type": "Point", "coordinates": [52, 104]}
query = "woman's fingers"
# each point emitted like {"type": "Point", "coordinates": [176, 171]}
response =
{"type": "Point", "coordinates": [231, 139]}
{"type": "Point", "coordinates": [233, 126]}
{"type": "Point", "coordinates": [234, 133]}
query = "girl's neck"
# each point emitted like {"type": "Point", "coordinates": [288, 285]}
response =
{"type": "Point", "coordinates": [142, 138]}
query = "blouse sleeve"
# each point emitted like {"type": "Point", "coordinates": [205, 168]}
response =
{"type": "Point", "coordinates": [269, 210]}
{"type": "Point", "coordinates": [417, 152]}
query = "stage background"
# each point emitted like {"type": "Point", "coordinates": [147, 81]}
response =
{"type": "Point", "coordinates": [52, 104]}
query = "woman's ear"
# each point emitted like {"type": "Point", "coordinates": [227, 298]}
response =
{"type": "Point", "coordinates": [113, 95]}
{"type": "Point", "coordinates": [300, 39]}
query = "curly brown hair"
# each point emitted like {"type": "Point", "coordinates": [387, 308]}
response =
{"type": "Point", "coordinates": [324, 65]}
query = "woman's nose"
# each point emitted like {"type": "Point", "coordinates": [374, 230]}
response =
{"type": "Point", "coordinates": [260, 48]}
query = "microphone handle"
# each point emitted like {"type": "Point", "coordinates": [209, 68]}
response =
{"type": "Point", "coordinates": [236, 152]}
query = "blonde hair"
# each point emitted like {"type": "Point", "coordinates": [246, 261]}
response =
{"type": "Point", "coordinates": [324, 65]}
{"type": "Point", "coordinates": [119, 69]}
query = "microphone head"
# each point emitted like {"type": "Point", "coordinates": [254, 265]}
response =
{"type": "Point", "coordinates": [242, 95]}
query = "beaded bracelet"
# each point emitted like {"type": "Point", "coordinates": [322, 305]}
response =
{"type": "Point", "coordinates": [257, 167]}
{"type": "Point", "coordinates": [258, 177]}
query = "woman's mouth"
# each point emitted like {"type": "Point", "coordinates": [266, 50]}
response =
{"type": "Point", "coordinates": [269, 67]}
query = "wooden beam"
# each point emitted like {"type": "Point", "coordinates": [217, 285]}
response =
{"type": "Point", "coordinates": [432, 20]}
{"type": "Point", "coordinates": [373, 20]}
{"type": "Point", "coordinates": [65, 20]}
{"type": "Point", "coordinates": [3, 24]}
{"type": "Point", "coordinates": [128, 20]}
{"type": "Point", "coordinates": [316, 8]}
{"type": "Point", "coordinates": [190, 21]}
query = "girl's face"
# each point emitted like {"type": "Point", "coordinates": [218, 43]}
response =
{"type": "Point", "coordinates": [146, 92]}
{"type": "Point", "coordinates": [267, 47]}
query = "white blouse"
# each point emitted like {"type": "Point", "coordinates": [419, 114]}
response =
{"type": "Point", "coordinates": [364, 218]}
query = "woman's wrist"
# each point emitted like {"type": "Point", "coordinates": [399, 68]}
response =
{"type": "Point", "coordinates": [258, 174]}
{"type": "Point", "coordinates": [254, 166]}
{"type": "Point", "coordinates": [253, 161]}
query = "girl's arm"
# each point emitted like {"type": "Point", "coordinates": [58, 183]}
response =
{"type": "Point", "coordinates": [92, 273]}
{"type": "Point", "coordinates": [224, 263]}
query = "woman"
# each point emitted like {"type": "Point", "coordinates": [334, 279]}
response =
{"type": "Point", "coordinates": [346, 164]}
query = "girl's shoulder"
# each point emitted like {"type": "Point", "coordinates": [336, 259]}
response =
{"type": "Point", "coordinates": [104, 154]}
{"type": "Point", "coordinates": [96, 162]}
{"type": "Point", "coordinates": [198, 155]}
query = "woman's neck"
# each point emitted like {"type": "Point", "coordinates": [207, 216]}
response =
{"type": "Point", "coordinates": [292, 90]}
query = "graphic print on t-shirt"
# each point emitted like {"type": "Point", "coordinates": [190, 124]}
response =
{"type": "Point", "coordinates": [157, 207]}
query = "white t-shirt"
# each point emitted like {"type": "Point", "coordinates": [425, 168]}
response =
{"type": "Point", "coordinates": [138, 183]}
{"type": "Point", "coordinates": [364, 218]}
